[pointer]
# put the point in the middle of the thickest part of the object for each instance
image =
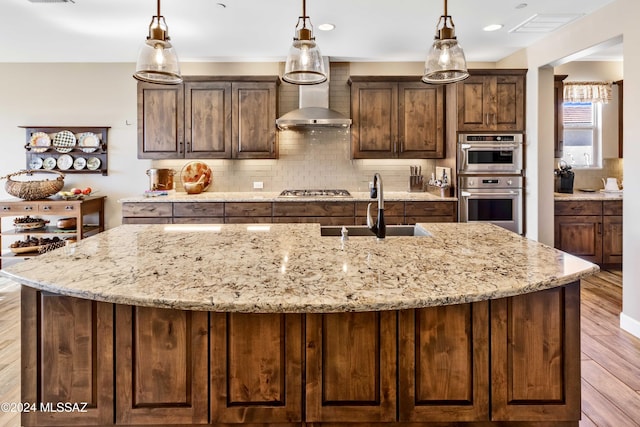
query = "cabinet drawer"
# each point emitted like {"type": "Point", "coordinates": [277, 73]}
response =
{"type": "Point", "coordinates": [322, 220]}
{"type": "Point", "coordinates": [59, 208]}
{"type": "Point", "coordinates": [19, 208]}
{"type": "Point", "coordinates": [314, 209]}
{"type": "Point", "coordinates": [198, 209]}
{"type": "Point", "coordinates": [390, 208]}
{"type": "Point", "coordinates": [153, 209]}
{"type": "Point", "coordinates": [578, 208]}
{"type": "Point", "coordinates": [612, 207]}
{"type": "Point", "coordinates": [430, 209]}
{"type": "Point", "coordinates": [247, 209]}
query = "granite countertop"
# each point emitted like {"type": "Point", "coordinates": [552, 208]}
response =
{"type": "Point", "coordinates": [582, 195]}
{"type": "Point", "coordinates": [291, 268]}
{"type": "Point", "coordinates": [267, 196]}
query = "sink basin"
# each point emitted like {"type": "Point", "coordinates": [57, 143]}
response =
{"type": "Point", "coordinates": [363, 231]}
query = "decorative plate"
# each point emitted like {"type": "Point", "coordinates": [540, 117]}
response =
{"type": "Point", "coordinates": [35, 163]}
{"type": "Point", "coordinates": [65, 162]}
{"type": "Point", "coordinates": [35, 225]}
{"type": "Point", "coordinates": [192, 171]}
{"type": "Point", "coordinates": [93, 163]}
{"type": "Point", "coordinates": [79, 163]}
{"type": "Point", "coordinates": [49, 163]}
{"type": "Point", "coordinates": [40, 142]}
{"type": "Point", "coordinates": [64, 141]}
{"type": "Point", "coordinates": [88, 142]}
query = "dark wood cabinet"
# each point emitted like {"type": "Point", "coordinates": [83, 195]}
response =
{"type": "Point", "coordinates": [492, 100]}
{"type": "Point", "coordinates": [208, 117]}
{"type": "Point", "coordinates": [256, 368]}
{"type": "Point", "coordinates": [558, 110]}
{"type": "Point", "coordinates": [351, 367]}
{"type": "Point", "coordinates": [396, 117]}
{"type": "Point", "coordinates": [162, 365]}
{"type": "Point", "coordinates": [510, 362]}
{"type": "Point", "coordinates": [535, 356]}
{"type": "Point", "coordinates": [591, 230]}
{"type": "Point", "coordinates": [67, 357]}
{"type": "Point", "coordinates": [444, 363]}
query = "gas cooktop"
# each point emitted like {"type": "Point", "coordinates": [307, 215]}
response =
{"type": "Point", "coordinates": [315, 193]}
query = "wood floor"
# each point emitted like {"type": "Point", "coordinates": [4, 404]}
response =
{"type": "Point", "coordinates": [610, 356]}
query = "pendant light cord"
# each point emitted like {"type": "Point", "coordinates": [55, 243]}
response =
{"type": "Point", "coordinates": [161, 15]}
{"type": "Point", "coordinates": [304, 9]}
{"type": "Point", "coordinates": [445, 8]}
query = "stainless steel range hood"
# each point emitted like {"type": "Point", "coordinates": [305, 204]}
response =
{"type": "Point", "coordinates": [314, 108]}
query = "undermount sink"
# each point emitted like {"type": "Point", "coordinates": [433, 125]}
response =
{"type": "Point", "coordinates": [363, 231]}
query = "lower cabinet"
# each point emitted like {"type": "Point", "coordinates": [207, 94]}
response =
{"type": "Point", "coordinates": [506, 362]}
{"type": "Point", "coordinates": [591, 230]}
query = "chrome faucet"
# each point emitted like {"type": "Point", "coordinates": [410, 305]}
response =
{"type": "Point", "coordinates": [376, 191]}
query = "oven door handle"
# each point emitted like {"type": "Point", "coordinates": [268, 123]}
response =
{"type": "Point", "coordinates": [491, 195]}
{"type": "Point", "coordinates": [481, 146]}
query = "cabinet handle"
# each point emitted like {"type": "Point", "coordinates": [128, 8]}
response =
{"type": "Point", "coordinates": [28, 208]}
{"type": "Point", "coordinates": [6, 208]}
{"type": "Point", "coordinates": [68, 208]}
{"type": "Point", "coordinates": [599, 228]}
{"type": "Point", "coordinates": [395, 146]}
{"type": "Point", "coordinates": [180, 147]}
{"type": "Point", "coordinates": [46, 208]}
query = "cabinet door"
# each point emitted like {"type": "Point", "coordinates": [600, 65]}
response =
{"type": "Point", "coordinates": [444, 363]}
{"type": "Point", "coordinates": [430, 212]}
{"type": "Point", "coordinates": [491, 103]}
{"type": "Point", "coordinates": [161, 375]}
{"type": "Point", "coordinates": [254, 133]}
{"type": "Point", "coordinates": [474, 106]}
{"type": "Point", "coordinates": [420, 121]}
{"type": "Point", "coordinates": [76, 336]}
{"type": "Point", "coordinates": [351, 367]}
{"type": "Point", "coordinates": [508, 110]}
{"type": "Point", "coordinates": [580, 236]}
{"type": "Point", "coordinates": [535, 356]}
{"type": "Point", "coordinates": [612, 240]}
{"type": "Point", "coordinates": [160, 121]}
{"type": "Point", "coordinates": [208, 120]}
{"type": "Point", "coordinates": [374, 111]}
{"type": "Point", "coordinates": [256, 368]}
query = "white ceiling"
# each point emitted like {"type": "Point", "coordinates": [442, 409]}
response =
{"type": "Point", "coordinates": [261, 30]}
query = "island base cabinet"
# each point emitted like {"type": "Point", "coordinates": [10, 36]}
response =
{"type": "Point", "coordinates": [67, 359]}
{"type": "Point", "coordinates": [351, 367]}
{"type": "Point", "coordinates": [256, 368]}
{"type": "Point", "coordinates": [161, 369]}
{"type": "Point", "coordinates": [535, 356]}
{"type": "Point", "coordinates": [444, 363]}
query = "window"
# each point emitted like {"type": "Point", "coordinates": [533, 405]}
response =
{"type": "Point", "coordinates": [582, 134]}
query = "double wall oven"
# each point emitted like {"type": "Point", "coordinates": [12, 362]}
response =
{"type": "Point", "coordinates": [491, 179]}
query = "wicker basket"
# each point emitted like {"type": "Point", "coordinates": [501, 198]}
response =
{"type": "Point", "coordinates": [33, 190]}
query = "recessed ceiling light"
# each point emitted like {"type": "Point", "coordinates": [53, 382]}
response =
{"type": "Point", "coordinates": [326, 27]}
{"type": "Point", "coordinates": [493, 27]}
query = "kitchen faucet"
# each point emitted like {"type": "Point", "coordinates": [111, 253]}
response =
{"type": "Point", "coordinates": [376, 191]}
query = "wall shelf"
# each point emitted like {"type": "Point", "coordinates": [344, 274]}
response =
{"type": "Point", "coordinates": [92, 160]}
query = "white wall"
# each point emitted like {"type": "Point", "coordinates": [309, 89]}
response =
{"type": "Point", "coordinates": [586, 33]}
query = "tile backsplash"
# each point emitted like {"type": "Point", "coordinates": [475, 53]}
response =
{"type": "Point", "coordinates": [592, 178]}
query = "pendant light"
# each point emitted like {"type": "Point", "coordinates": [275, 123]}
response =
{"type": "Point", "coordinates": [304, 65]}
{"type": "Point", "coordinates": [445, 62]}
{"type": "Point", "coordinates": [157, 60]}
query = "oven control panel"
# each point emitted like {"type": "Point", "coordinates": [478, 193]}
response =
{"type": "Point", "coordinates": [491, 181]}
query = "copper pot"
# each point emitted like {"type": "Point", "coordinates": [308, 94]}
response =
{"type": "Point", "coordinates": [160, 179]}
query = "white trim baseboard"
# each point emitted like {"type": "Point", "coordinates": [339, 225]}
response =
{"type": "Point", "coordinates": [630, 325]}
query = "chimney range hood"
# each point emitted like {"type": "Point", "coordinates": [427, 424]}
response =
{"type": "Point", "coordinates": [314, 108]}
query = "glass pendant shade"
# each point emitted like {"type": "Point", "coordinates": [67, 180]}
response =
{"type": "Point", "coordinates": [304, 65]}
{"type": "Point", "coordinates": [157, 59]}
{"type": "Point", "coordinates": [445, 61]}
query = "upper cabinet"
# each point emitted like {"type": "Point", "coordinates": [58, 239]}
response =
{"type": "Point", "coordinates": [492, 100]}
{"type": "Point", "coordinates": [396, 117]}
{"type": "Point", "coordinates": [208, 118]}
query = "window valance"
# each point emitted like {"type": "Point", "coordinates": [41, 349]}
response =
{"type": "Point", "coordinates": [587, 92]}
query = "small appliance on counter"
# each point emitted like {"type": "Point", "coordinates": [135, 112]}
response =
{"type": "Point", "coordinates": [160, 179]}
{"type": "Point", "coordinates": [564, 178]}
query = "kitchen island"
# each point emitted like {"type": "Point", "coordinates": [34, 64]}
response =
{"type": "Point", "coordinates": [276, 325]}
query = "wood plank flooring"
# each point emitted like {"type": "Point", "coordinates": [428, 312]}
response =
{"type": "Point", "coordinates": [610, 356]}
